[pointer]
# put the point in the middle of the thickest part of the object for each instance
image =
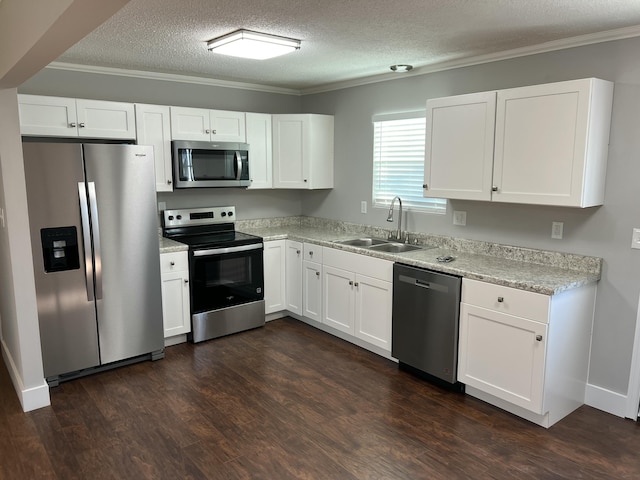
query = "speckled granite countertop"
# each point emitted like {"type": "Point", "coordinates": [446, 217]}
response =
{"type": "Point", "coordinates": [169, 246]}
{"type": "Point", "coordinates": [533, 270]}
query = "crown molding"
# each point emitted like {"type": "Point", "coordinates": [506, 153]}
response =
{"type": "Point", "coordinates": [579, 41]}
{"type": "Point", "coordinates": [566, 43]}
{"type": "Point", "coordinates": [170, 77]}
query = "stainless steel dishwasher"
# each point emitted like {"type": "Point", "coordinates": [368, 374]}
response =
{"type": "Point", "coordinates": [426, 310]}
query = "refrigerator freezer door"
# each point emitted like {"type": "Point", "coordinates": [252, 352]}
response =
{"type": "Point", "coordinates": [68, 331]}
{"type": "Point", "coordinates": [124, 220]}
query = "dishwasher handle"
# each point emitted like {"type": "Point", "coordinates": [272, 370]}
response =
{"type": "Point", "coordinates": [417, 282]}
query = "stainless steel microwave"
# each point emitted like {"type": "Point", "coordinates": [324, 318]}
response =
{"type": "Point", "coordinates": [210, 164]}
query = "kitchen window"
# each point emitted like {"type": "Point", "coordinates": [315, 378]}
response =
{"type": "Point", "coordinates": [398, 162]}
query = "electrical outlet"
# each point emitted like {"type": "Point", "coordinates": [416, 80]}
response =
{"type": "Point", "coordinates": [556, 230]}
{"type": "Point", "coordinates": [459, 218]}
{"type": "Point", "coordinates": [363, 207]}
{"type": "Point", "coordinates": [635, 238]}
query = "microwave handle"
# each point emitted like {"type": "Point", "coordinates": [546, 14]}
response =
{"type": "Point", "coordinates": [238, 165]}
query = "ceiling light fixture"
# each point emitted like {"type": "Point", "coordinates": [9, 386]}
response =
{"type": "Point", "coordinates": [401, 68]}
{"type": "Point", "coordinates": [248, 44]}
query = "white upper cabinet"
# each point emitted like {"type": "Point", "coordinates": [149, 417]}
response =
{"type": "Point", "coordinates": [201, 124]}
{"type": "Point", "coordinates": [302, 151]}
{"type": "Point", "coordinates": [258, 126]}
{"type": "Point", "coordinates": [69, 117]}
{"type": "Point", "coordinates": [457, 168]}
{"type": "Point", "coordinates": [153, 127]}
{"type": "Point", "coordinates": [542, 144]}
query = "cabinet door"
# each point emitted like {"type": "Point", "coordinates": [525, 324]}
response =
{"type": "Point", "coordinates": [541, 137]}
{"type": "Point", "coordinates": [294, 277]}
{"type": "Point", "coordinates": [153, 127]}
{"type": "Point", "coordinates": [290, 137]}
{"type": "Point", "coordinates": [338, 309]}
{"type": "Point", "coordinates": [274, 276]}
{"type": "Point", "coordinates": [47, 116]}
{"type": "Point", "coordinates": [227, 126]}
{"type": "Point", "coordinates": [259, 133]}
{"type": "Point", "coordinates": [175, 303]}
{"type": "Point", "coordinates": [503, 355]}
{"type": "Point", "coordinates": [190, 124]}
{"type": "Point", "coordinates": [459, 146]}
{"type": "Point", "coordinates": [99, 119]}
{"type": "Point", "coordinates": [373, 311]}
{"type": "Point", "coordinates": [312, 290]}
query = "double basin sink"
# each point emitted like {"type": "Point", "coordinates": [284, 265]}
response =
{"type": "Point", "coordinates": [381, 245]}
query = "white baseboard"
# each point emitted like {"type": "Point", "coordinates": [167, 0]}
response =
{"type": "Point", "coordinates": [606, 400]}
{"type": "Point", "coordinates": [30, 398]}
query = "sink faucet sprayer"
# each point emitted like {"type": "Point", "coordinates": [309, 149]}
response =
{"type": "Point", "coordinates": [390, 217]}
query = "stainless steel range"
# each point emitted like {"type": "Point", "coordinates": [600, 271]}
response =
{"type": "Point", "coordinates": [225, 271]}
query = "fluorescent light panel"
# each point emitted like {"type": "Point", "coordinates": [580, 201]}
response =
{"type": "Point", "coordinates": [248, 44]}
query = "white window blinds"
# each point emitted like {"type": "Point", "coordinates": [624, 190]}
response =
{"type": "Point", "coordinates": [398, 162]}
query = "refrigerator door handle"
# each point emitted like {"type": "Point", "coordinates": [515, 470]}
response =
{"type": "Point", "coordinates": [86, 240]}
{"type": "Point", "coordinates": [95, 234]}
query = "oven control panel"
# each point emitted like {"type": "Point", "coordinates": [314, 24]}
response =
{"type": "Point", "coordinates": [188, 217]}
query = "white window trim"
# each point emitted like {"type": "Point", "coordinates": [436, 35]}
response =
{"type": "Point", "coordinates": [412, 197]}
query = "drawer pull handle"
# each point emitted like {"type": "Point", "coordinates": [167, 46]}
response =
{"type": "Point", "coordinates": [500, 299]}
{"type": "Point", "coordinates": [539, 338]}
{"type": "Point", "coordinates": [172, 263]}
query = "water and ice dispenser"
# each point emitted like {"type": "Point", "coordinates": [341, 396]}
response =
{"type": "Point", "coordinates": [60, 249]}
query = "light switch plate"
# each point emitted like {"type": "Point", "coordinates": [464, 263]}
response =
{"type": "Point", "coordinates": [459, 218]}
{"type": "Point", "coordinates": [557, 230]}
{"type": "Point", "coordinates": [635, 238]}
{"type": "Point", "coordinates": [162, 206]}
{"type": "Point", "coordinates": [363, 207]}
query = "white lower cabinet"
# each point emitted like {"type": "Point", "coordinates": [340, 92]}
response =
{"type": "Point", "coordinates": [293, 276]}
{"type": "Point", "coordinates": [274, 276]}
{"type": "Point", "coordinates": [525, 352]}
{"type": "Point", "coordinates": [312, 282]}
{"type": "Point", "coordinates": [175, 294]}
{"type": "Point", "coordinates": [358, 292]}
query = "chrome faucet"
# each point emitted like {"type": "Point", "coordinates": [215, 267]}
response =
{"type": "Point", "coordinates": [390, 217]}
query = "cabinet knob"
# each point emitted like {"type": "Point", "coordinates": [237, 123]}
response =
{"type": "Point", "coordinates": [311, 253]}
{"type": "Point", "coordinates": [207, 131]}
{"type": "Point", "coordinates": [73, 125]}
{"type": "Point", "coordinates": [172, 263]}
{"type": "Point", "coordinates": [213, 131]}
{"type": "Point", "coordinates": [186, 280]}
{"type": "Point", "coordinates": [355, 284]}
{"type": "Point", "coordinates": [350, 282]}
{"type": "Point", "coordinates": [168, 182]}
{"type": "Point", "coordinates": [494, 189]}
{"type": "Point", "coordinates": [298, 252]}
{"type": "Point", "coordinates": [317, 274]}
{"type": "Point", "coordinates": [539, 338]}
{"type": "Point", "coordinates": [425, 186]}
{"type": "Point", "coordinates": [81, 125]}
{"type": "Point", "coordinates": [305, 180]}
{"type": "Point", "coordinates": [500, 299]}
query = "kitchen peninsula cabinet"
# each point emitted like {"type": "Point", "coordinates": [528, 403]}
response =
{"type": "Point", "coordinates": [174, 275]}
{"type": "Point", "coordinates": [153, 127]}
{"type": "Point", "coordinates": [543, 144]}
{"type": "Point", "coordinates": [201, 124]}
{"type": "Point", "coordinates": [274, 258]}
{"type": "Point", "coordinates": [357, 296]}
{"type": "Point", "coordinates": [258, 128]}
{"type": "Point", "coordinates": [45, 116]}
{"type": "Point", "coordinates": [303, 151]}
{"type": "Point", "coordinates": [525, 352]}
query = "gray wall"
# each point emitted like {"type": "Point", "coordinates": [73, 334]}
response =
{"type": "Point", "coordinates": [251, 203]}
{"type": "Point", "coordinates": [603, 231]}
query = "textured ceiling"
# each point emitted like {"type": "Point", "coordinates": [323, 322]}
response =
{"type": "Point", "coordinates": [342, 40]}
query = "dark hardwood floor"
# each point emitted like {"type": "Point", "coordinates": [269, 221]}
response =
{"type": "Point", "coordinates": [290, 402]}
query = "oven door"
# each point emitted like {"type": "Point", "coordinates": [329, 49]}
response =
{"type": "Point", "coordinates": [224, 277]}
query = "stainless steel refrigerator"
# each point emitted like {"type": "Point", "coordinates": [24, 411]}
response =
{"type": "Point", "coordinates": [94, 236]}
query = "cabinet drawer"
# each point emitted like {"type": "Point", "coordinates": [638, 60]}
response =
{"type": "Point", "coordinates": [512, 301]}
{"type": "Point", "coordinates": [312, 252]}
{"type": "Point", "coordinates": [173, 262]}
{"type": "Point", "coordinates": [362, 264]}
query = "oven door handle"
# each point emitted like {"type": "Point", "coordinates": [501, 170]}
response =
{"type": "Point", "coordinates": [220, 251]}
